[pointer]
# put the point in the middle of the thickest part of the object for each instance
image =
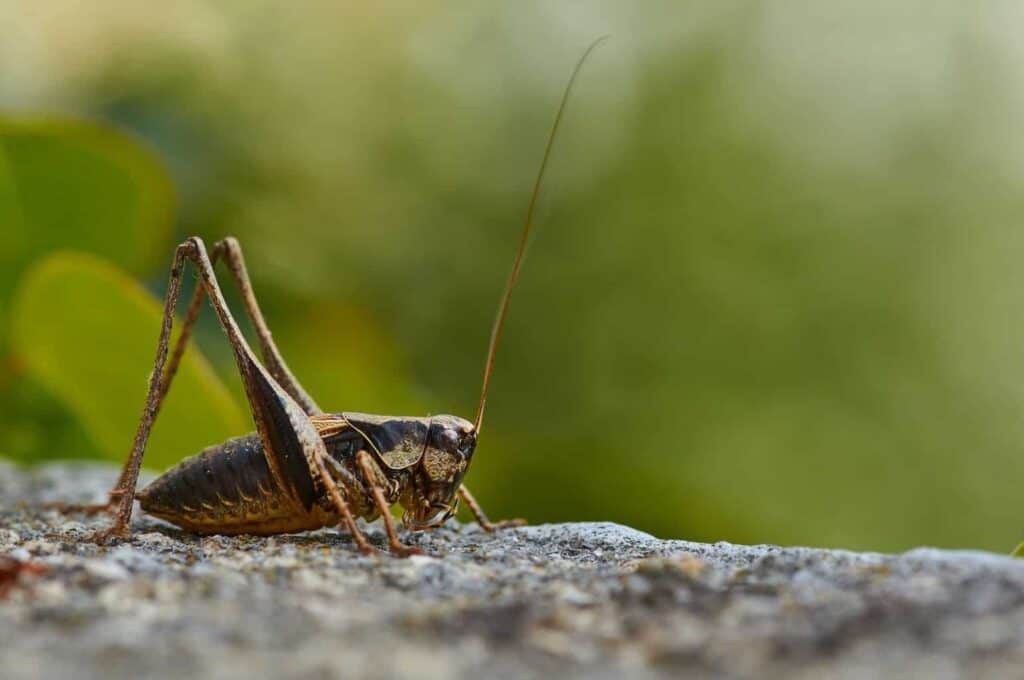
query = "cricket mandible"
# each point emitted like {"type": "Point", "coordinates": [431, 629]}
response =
{"type": "Point", "coordinates": [303, 468]}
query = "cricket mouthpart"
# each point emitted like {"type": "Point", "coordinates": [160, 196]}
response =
{"type": "Point", "coordinates": [409, 521]}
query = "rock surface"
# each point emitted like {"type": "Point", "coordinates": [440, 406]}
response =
{"type": "Point", "coordinates": [570, 600]}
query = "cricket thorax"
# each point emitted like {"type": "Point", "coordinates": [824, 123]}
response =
{"type": "Point", "coordinates": [422, 460]}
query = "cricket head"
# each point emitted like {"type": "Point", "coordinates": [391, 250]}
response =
{"type": "Point", "coordinates": [432, 497]}
{"type": "Point", "coordinates": [430, 457]}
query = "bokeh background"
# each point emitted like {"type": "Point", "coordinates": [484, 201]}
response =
{"type": "Point", "coordinates": [776, 293]}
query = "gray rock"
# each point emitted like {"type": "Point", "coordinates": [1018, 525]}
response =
{"type": "Point", "coordinates": [569, 600]}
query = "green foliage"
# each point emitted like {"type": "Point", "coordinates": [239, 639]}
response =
{"type": "Point", "coordinates": [82, 186]}
{"type": "Point", "coordinates": [68, 183]}
{"type": "Point", "coordinates": [87, 332]}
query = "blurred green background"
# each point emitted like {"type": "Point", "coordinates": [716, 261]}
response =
{"type": "Point", "coordinates": [775, 295]}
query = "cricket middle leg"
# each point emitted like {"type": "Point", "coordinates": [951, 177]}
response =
{"type": "Point", "coordinates": [481, 517]}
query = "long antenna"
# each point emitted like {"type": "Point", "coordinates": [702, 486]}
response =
{"type": "Point", "coordinates": [499, 320]}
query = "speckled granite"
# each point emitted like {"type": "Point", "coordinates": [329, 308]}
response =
{"type": "Point", "coordinates": [569, 600]}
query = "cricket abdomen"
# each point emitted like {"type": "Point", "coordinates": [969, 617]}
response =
{"type": "Point", "coordinates": [229, 489]}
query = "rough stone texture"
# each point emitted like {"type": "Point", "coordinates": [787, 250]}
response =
{"type": "Point", "coordinates": [570, 600]}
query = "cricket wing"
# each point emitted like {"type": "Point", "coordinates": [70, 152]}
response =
{"type": "Point", "coordinates": [398, 442]}
{"type": "Point", "coordinates": [330, 425]}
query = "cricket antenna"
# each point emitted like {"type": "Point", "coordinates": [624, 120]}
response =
{"type": "Point", "coordinates": [499, 320]}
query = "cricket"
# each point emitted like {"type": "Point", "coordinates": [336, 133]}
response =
{"type": "Point", "coordinates": [302, 468]}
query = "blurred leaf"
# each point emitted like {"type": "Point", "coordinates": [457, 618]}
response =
{"type": "Point", "coordinates": [88, 333]}
{"type": "Point", "coordinates": [78, 185]}
{"type": "Point", "coordinates": [1018, 551]}
{"type": "Point", "coordinates": [35, 426]}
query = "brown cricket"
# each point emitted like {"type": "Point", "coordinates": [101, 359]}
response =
{"type": "Point", "coordinates": [303, 469]}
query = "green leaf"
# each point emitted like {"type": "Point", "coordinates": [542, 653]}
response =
{"type": "Point", "coordinates": [35, 427]}
{"type": "Point", "coordinates": [82, 186]}
{"type": "Point", "coordinates": [87, 332]}
{"type": "Point", "coordinates": [1018, 551]}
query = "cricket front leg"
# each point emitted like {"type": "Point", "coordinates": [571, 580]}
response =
{"type": "Point", "coordinates": [342, 507]}
{"type": "Point", "coordinates": [396, 546]}
{"type": "Point", "coordinates": [481, 517]}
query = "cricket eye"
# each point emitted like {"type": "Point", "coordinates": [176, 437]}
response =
{"type": "Point", "coordinates": [466, 445]}
{"type": "Point", "coordinates": [449, 440]}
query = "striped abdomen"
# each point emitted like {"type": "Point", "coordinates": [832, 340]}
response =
{"type": "Point", "coordinates": [229, 489]}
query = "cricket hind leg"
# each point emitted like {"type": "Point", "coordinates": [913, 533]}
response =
{"type": "Point", "coordinates": [230, 250]}
{"type": "Point", "coordinates": [272, 359]}
{"type": "Point", "coordinates": [85, 508]}
{"type": "Point", "coordinates": [293, 449]}
{"type": "Point", "coordinates": [481, 517]}
{"type": "Point", "coordinates": [121, 496]}
{"type": "Point", "coordinates": [166, 378]}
